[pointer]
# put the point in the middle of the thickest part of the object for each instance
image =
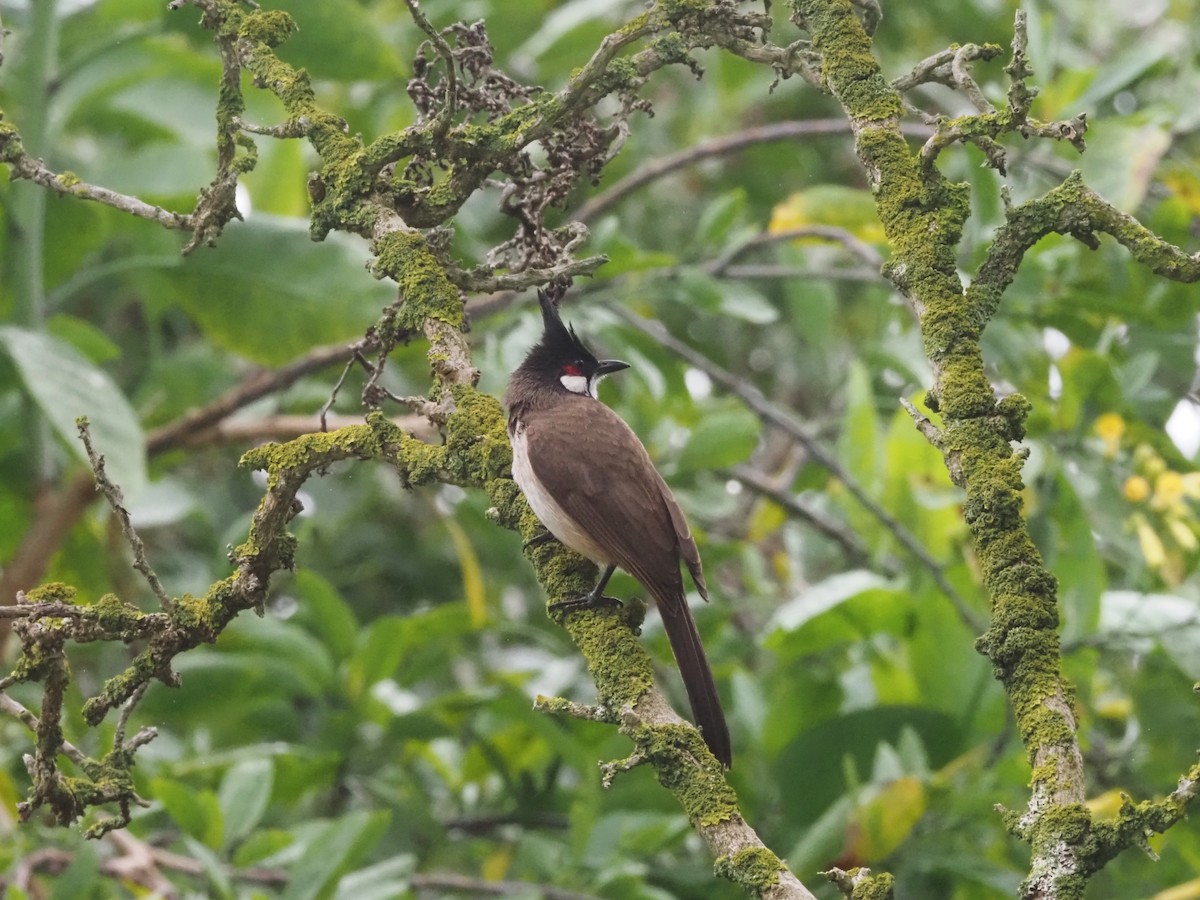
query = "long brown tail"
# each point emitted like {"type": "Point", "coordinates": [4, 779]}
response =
{"type": "Point", "coordinates": [697, 677]}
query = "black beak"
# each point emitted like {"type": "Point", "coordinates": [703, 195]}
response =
{"type": "Point", "coordinates": [608, 366]}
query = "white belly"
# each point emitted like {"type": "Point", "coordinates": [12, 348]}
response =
{"type": "Point", "coordinates": [552, 515]}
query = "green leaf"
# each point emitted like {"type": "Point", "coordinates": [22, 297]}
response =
{"type": "Point", "coordinates": [1074, 560]}
{"type": "Point", "coordinates": [262, 845]}
{"type": "Point", "coordinates": [66, 386]}
{"type": "Point", "coordinates": [1167, 619]}
{"type": "Point", "coordinates": [697, 289]}
{"type": "Point", "coordinates": [888, 818]}
{"type": "Point", "coordinates": [338, 40]}
{"type": "Point", "coordinates": [379, 653]}
{"type": "Point", "coordinates": [214, 868]}
{"type": "Point", "coordinates": [745, 303]}
{"type": "Point", "coordinates": [325, 614]}
{"type": "Point", "coordinates": [269, 294]}
{"type": "Point", "coordinates": [244, 794]}
{"type": "Point", "coordinates": [1132, 61]}
{"type": "Point", "coordinates": [720, 439]}
{"type": "Point", "coordinates": [720, 216]}
{"type": "Point", "coordinates": [382, 881]}
{"type": "Point", "coordinates": [292, 649]}
{"type": "Point", "coordinates": [827, 751]}
{"type": "Point", "coordinates": [1122, 159]}
{"type": "Point", "coordinates": [859, 446]}
{"type": "Point", "coordinates": [81, 878]}
{"type": "Point", "coordinates": [841, 609]}
{"type": "Point", "coordinates": [196, 812]}
{"type": "Point", "coordinates": [332, 850]}
{"type": "Point", "coordinates": [84, 337]}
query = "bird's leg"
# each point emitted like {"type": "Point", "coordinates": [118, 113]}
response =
{"type": "Point", "coordinates": [592, 599]}
{"type": "Point", "coordinates": [538, 539]}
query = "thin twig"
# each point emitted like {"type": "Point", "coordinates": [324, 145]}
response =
{"type": "Point", "coordinates": [250, 432]}
{"type": "Point", "coordinates": [924, 424]}
{"type": "Point", "coordinates": [760, 484]}
{"type": "Point", "coordinates": [484, 281]}
{"type": "Point", "coordinates": [256, 386]}
{"type": "Point", "coordinates": [22, 165]}
{"type": "Point", "coordinates": [440, 883]}
{"type": "Point", "coordinates": [286, 130]}
{"type": "Point", "coordinates": [323, 415]}
{"type": "Point", "coordinates": [798, 273]}
{"type": "Point", "coordinates": [54, 516]}
{"type": "Point", "coordinates": [446, 116]}
{"type": "Point", "coordinates": [860, 248]}
{"type": "Point", "coordinates": [112, 493]}
{"type": "Point", "coordinates": [11, 707]}
{"type": "Point", "coordinates": [126, 711]}
{"type": "Point", "coordinates": [722, 146]}
{"type": "Point", "coordinates": [57, 514]}
{"type": "Point", "coordinates": [963, 79]}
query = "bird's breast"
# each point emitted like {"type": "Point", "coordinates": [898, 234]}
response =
{"type": "Point", "coordinates": [542, 502]}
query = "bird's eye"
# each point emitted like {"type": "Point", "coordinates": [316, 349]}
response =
{"type": "Point", "coordinates": [572, 369]}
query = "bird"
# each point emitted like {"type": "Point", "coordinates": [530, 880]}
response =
{"type": "Point", "coordinates": [590, 481]}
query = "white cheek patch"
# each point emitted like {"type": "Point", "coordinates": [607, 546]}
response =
{"type": "Point", "coordinates": [576, 384]}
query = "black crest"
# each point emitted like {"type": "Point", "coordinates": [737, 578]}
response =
{"type": "Point", "coordinates": [559, 343]}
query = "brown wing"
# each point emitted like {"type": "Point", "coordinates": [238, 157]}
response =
{"type": "Point", "coordinates": [600, 474]}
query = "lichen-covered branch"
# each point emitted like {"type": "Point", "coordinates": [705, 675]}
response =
{"type": "Point", "coordinates": [22, 165]}
{"type": "Point", "coordinates": [923, 215]}
{"type": "Point", "coordinates": [117, 501]}
{"type": "Point", "coordinates": [1073, 209]}
{"type": "Point", "coordinates": [983, 129]}
{"type": "Point", "coordinates": [385, 191]}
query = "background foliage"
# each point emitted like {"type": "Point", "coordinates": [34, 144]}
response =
{"type": "Point", "coordinates": [373, 732]}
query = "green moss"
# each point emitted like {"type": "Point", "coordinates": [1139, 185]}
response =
{"type": "Point", "coordinates": [203, 618]}
{"type": "Point", "coordinates": [34, 663]}
{"type": "Point", "coordinates": [847, 63]}
{"type": "Point", "coordinates": [674, 10]}
{"type": "Point", "coordinates": [671, 47]}
{"type": "Point", "coordinates": [114, 615]}
{"type": "Point", "coordinates": [270, 26]}
{"type": "Point", "coordinates": [703, 792]}
{"type": "Point", "coordinates": [1014, 409]}
{"type": "Point", "coordinates": [118, 688]}
{"type": "Point", "coordinates": [617, 664]}
{"type": "Point", "coordinates": [405, 257]}
{"type": "Point", "coordinates": [51, 592]}
{"type": "Point", "coordinates": [311, 451]}
{"type": "Point", "coordinates": [477, 445]}
{"type": "Point", "coordinates": [756, 869]}
{"type": "Point", "coordinates": [876, 887]}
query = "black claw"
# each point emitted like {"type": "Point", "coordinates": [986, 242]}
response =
{"type": "Point", "coordinates": [587, 601]}
{"type": "Point", "coordinates": [537, 540]}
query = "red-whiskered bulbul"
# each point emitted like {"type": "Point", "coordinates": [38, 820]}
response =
{"type": "Point", "coordinates": [590, 481]}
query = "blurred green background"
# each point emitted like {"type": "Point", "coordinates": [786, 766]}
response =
{"type": "Point", "coordinates": [374, 732]}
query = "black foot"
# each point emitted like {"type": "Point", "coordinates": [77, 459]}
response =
{"type": "Point", "coordinates": [537, 540]}
{"type": "Point", "coordinates": [587, 601]}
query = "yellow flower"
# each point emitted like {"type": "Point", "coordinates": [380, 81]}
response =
{"type": "Point", "coordinates": [1183, 534]}
{"type": "Point", "coordinates": [1110, 427]}
{"type": "Point", "coordinates": [1191, 485]}
{"type": "Point", "coordinates": [1168, 490]}
{"type": "Point", "coordinates": [1152, 546]}
{"type": "Point", "coordinates": [1148, 462]}
{"type": "Point", "coordinates": [1137, 489]}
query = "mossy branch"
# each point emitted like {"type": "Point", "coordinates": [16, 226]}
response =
{"type": "Point", "coordinates": [359, 190]}
{"type": "Point", "coordinates": [923, 214]}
